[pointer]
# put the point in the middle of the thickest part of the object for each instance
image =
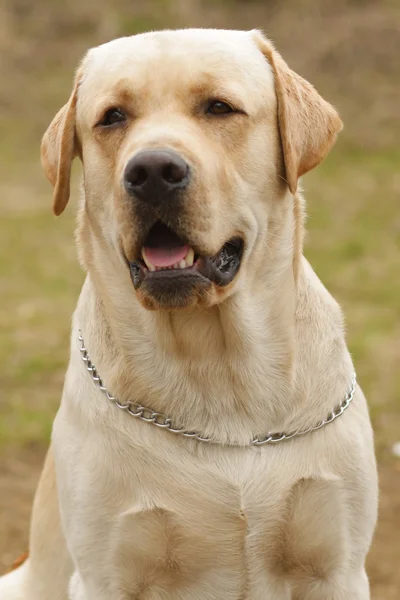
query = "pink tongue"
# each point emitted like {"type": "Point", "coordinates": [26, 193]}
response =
{"type": "Point", "coordinates": [166, 257]}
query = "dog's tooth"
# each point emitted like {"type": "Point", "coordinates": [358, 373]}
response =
{"type": "Point", "coordinates": [151, 267]}
{"type": "Point", "coordinates": [182, 264]}
{"type": "Point", "coordinates": [189, 259]}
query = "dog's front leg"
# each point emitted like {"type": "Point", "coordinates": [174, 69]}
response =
{"type": "Point", "coordinates": [50, 562]}
{"type": "Point", "coordinates": [349, 586]}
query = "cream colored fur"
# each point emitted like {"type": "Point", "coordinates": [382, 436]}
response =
{"type": "Point", "coordinates": [147, 515]}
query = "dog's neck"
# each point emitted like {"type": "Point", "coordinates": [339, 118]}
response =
{"type": "Point", "coordinates": [204, 368]}
{"type": "Point", "coordinates": [234, 363]}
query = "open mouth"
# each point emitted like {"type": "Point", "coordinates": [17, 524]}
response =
{"type": "Point", "coordinates": [166, 258]}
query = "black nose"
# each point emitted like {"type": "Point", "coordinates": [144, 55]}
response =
{"type": "Point", "coordinates": [155, 175]}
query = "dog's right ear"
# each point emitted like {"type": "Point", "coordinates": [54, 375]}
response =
{"type": "Point", "coordinates": [59, 148]}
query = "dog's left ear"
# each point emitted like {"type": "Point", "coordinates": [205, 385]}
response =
{"type": "Point", "coordinates": [59, 148]}
{"type": "Point", "coordinates": [308, 124]}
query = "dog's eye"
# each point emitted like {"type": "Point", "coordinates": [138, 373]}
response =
{"type": "Point", "coordinates": [112, 117]}
{"type": "Point", "coordinates": [217, 107]}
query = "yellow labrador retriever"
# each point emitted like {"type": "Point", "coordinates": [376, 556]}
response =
{"type": "Point", "coordinates": [211, 441]}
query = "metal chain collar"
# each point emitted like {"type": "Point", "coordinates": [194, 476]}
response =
{"type": "Point", "coordinates": [149, 416]}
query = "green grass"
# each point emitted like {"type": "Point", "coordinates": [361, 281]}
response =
{"type": "Point", "coordinates": [353, 244]}
{"type": "Point", "coordinates": [39, 280]}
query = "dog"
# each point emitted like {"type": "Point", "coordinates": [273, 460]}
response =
{"type": "Point", "coordinates": [213, 442]}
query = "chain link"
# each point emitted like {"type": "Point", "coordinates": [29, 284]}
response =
{"type": "Point", "coordinates": [159, 420]}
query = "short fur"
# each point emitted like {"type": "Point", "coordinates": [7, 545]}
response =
{"type": "Point", "coordinates": [125, 510]}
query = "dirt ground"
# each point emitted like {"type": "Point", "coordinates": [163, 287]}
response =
{"type": "Point", "coordinates": [19, 474]}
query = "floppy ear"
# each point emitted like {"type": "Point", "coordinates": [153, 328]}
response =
{"type": "Point", "coordinates": [308, 124]}
{"type": "Point", "coordinates": [59, 148]}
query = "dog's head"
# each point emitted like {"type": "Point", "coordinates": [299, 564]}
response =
{"type": "Point", "coordinates": [188, 140]}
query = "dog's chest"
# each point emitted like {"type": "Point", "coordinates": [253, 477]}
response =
{"type": "Point", "coordinates": [209, 528]}
{"type": "Point", "coordinates": [159, 523]}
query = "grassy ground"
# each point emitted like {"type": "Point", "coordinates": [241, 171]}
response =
{"type": "Point", "coordinates": [354, 223]}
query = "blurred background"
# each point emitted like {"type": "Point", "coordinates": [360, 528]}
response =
{"type": "Point", "coordinates": [350, 50]}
